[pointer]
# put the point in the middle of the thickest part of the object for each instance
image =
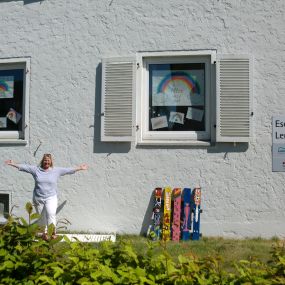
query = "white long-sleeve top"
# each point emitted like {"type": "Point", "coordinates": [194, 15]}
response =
{"type": "Point", "coordinates": [45, 180]}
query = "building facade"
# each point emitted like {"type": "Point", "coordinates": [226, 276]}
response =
{"type": "Point", "coordinates": [148, 94]}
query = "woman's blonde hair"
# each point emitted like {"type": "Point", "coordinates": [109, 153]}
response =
{"type": "Point", "coordinates": [44, 156]}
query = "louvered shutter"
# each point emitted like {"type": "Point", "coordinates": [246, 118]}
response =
{"type": "Point", "coordinates": [234, 98]}
{"type": "Point", "coordinates": [118, 87]}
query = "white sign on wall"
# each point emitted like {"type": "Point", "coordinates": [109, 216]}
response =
{"type": "Point", "coordinates": [278, 143]}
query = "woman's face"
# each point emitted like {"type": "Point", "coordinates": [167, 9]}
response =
{"type": "Point", "coordinates": [46, 162]}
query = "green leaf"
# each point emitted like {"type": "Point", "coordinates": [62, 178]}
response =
{"type": "Point", "coordinates": [51, 229]}
{"type": "Point", "coordinates": [182, 259]}
{"type": "Point", "coordinates": [83, 280]}
{"type": "Point", "coordinates": [3, 252]}
{"type": "Point", "coordinates": [21, 230]}
{"type": "Point", "coordinates": [24, 222]}
{"type": "Point", "coordinates": [171, 268]}
{"type": "Point", "coordinates": [66, 239]}
{"type": "Point", "coordinates": [57, 272]}
{"type": "Point", "coordinates": [45, 280]}
{"type": "Point", "coordinates": [56, 240]}
{"type": "Point", "coordinates": [35, 216]}
{"type": "Point", "coordinates": [19, 248]}
{"type": "Point", "coordinates": [140, 272]}
{"type": "Point", "coordinates": [8, 264]}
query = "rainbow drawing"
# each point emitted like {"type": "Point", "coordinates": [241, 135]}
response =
{"type": "Point", "coordinates": [6, 86]}
{"type": "Point", "coordinates": [179, 78]}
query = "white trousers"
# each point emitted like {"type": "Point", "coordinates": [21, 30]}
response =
{"type": "Point", "coordinates": [47, 209]}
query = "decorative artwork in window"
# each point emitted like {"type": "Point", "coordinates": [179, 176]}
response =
{"type": "Point", "coordinates": [159, 122]}
{"type": "Point", "coordinates": [6, 86]}
{"type": "Point", "coordinates": [176, 117]}
{"type": "Point", "coordinates": [195, 114]}
{"type": "Point", "coordinates": [3, 122]}
{"type": "Point", "coordinates": [177, 92]}
{"type": "Point", "coordinates": [14, 116]}
{"type": "Point", "coordinates": [178, 88]}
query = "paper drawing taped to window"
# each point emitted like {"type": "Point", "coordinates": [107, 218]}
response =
{"type": "Point", "coordinates": [3, 122]}
{"type": "Point", "coordinates": [159, 122]}
{"type": "Point", "coordinates": [6, 87]}
{"type": "Point", "coordinates": [195, 114]}
{"type": "Point", "coordinates": [14, 116]}
{"type": "Point", "coordinates": [177, 88]}
{"type": "Point", "coordinates": [176, 117]}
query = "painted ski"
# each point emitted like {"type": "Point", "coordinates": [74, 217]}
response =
{"type": "Point", "coordinates": [176, 194]}
{"type": "Point", "coordinates": [155, 229]}
{"type": "Point", "coordinates": [166, 214]}
{"type": "Point", "coordinates": [196, 213]}
{"type": "Point", "coordinates": [186, 226]}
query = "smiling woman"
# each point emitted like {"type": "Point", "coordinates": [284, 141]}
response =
{"type": "Point", "coordinates": [45, 190]}
{"type": "Point", "coordinates": [46, 161]}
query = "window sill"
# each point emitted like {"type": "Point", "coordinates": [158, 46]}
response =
{"type": "Point", "coordinates": [174, 143]}
{"type": "Point", "coordinates": [13, 142]}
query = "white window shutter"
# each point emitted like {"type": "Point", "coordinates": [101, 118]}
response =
{"type": "Point", "coordinates": [117, 108]}
{"type": "Point", "coordinates": [234, 98]}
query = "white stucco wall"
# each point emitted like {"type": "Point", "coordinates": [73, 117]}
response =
{"type": "Point", "coordinates": [66, 41]}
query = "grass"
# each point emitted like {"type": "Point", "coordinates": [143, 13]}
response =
{"type": "Point", "coordinates": [227, 250]}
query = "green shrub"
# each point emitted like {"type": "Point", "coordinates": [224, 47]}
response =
{"type": "Point", "coordinates": [27, 259]}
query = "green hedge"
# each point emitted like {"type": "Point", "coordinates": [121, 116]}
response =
{"type": "Point", "coordinates": [26, 259]}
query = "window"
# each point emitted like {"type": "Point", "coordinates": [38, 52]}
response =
{"type": "Point", "coordinates": [14, 81]}
{"type": "Point", "coordinates": [174, 100]}
{"type": "Point", "coordinates": [176, 92]}
{"type": "Point", "coordinates": [177, 98]}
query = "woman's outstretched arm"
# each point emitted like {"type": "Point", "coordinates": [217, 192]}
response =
{"type": "Point", "coordinates": [12, 163]}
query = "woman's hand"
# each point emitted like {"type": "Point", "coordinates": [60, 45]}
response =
{"type": "Point", "coordinates": [82, 167]}
{"type": "Point", "coordinates": [11, 163]}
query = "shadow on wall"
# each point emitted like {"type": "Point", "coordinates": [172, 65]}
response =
{"type": "Point", "coordinates": [99, 146]}
{"type": "Point", "coordinates": [228, 148]}
{"type": "Point", "coordinates": [214, 148]}
{"type": "Point", "coordinates": [147, 217]}
{"type": "Point", "coordinates": [26, 2]}
{"type": "Point", "coordinates": [60, 207]}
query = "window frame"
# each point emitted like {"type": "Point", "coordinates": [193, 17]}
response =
{"type": "Point", "coordinates": [18, 137]}
{"type": "Point", "coordinates": [6, 200]}
{"type": "Point", "coordinates": [144, 136]}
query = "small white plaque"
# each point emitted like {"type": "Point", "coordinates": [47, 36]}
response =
{"type": "Point", "coordinates": [278, 143]}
